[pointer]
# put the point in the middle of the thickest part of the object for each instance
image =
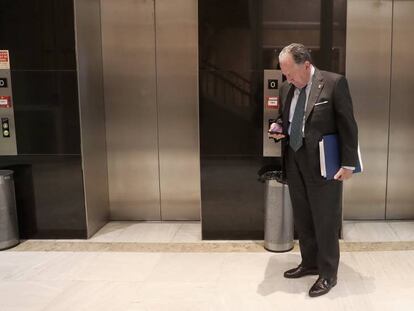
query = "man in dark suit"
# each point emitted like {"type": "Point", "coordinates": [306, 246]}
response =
{"type": "Point", "coordinates": [315, 103]}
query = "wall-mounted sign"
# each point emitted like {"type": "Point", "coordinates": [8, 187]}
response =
{"type": "Point", "coordinates": [4, 59]}
{"type": "Point", "coordinates": [3, 82]}
{"type": "Point", "coordinates": [272, 102]}
{"type": "Point", "coordinates": [5, 101]}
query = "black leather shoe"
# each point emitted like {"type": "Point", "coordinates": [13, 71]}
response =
{"type": "Point", "coordinates": [299, 272]}
{"type": "Point", "coordinates": [322, 286]}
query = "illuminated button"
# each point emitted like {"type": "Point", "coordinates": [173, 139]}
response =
{"type": "Point", "coordinates": [6, 125]}
{"type": "Point", "coordinates": [6, 133]}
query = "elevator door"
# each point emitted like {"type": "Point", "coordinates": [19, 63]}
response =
{"type": "Point", "coordinates": [368, 74]}
{"type": "Point", "coordinates": [131, 112]}
{"type": "Point", "coordinates": [381, 78]}
{"type": "Point", "coordinates": [400, 199]}
{"type": "Point", "coordinates": [151, 99]}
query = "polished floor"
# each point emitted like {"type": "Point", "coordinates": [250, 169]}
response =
{"type": "Point", "coordinates": [229, 279]}
{"type": "Point", "coordinates": [190, 232]}
{"type": "Point", "coordinates": [176, 232]}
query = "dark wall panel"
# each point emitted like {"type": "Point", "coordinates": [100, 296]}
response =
{"type": "Point", "coordinates": [39, 35]}
{"type": "Point", "coordinates": [46, 112]}
{"type": "Point", "coordinates": [49, 195]}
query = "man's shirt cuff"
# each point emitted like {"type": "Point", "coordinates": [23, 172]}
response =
{"type": "Point", "coordinates": [352, 168]}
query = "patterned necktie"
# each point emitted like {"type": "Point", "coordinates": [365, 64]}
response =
{"type": "Point", "coordinates": [296, 135]}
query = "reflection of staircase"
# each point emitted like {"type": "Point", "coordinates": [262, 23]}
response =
{"type": "Point", "coordinates": [226, 89]}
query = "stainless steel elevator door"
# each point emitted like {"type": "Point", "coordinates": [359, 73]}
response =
{"type": "Point", "coordinates": [128, 40]}
{"type": "Point", "coordinates": [177, 99]}
{"type": "Point", "coordinates": [400, 198]}
{"type": "Point", "coordinates": [151, 97]}
{"type": "Point", "coordinates": [368, 72]}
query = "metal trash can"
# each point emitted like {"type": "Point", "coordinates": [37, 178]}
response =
{"type": "Point", "coordinates": [9, 232]}
{"type": "Point", "coordinates": [278, 213]}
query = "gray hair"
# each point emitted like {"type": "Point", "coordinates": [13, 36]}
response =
{"type": "Point", "coordinates": [299, 52]}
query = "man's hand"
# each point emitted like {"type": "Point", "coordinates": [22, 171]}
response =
{"type": "Point", "coordinates": [276, 127]}
{"type": "Point", "coordinates": [343, 174]}
{"type": "Point", "coordinates": [277, 136]}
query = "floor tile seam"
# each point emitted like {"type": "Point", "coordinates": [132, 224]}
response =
{"type": "Point", "coordinates": [395, 231]}
{"type": "Point", "coordinates": [93, 247]}
{"type": "Point", "coordinates": [60, 292]}
{"type": "Point", "coordinates": [38, 269]}
{"type": "Point", "coordinates": [116, 236]}
{"type": "Point", "coordinates": [184, 236]}
{"type": "Point", "coordinates": [32, 246]}
{"type": "Point", "coordinates": [376, 246]}
{"type": "Point", "coordinates": [221, 269]}
{"type": "Point", "coordinates": [350, 229]}
{"type": "Point", "coordinates": [396, 235]}
{"type": "Point", "coordinates": [153, 268]}
{"type": "Point", "coordinates": [82, 279]}
{"type": "Point", "coordinates": [175, 234]}
{"type": "Point", "coordinates": [74, 284]}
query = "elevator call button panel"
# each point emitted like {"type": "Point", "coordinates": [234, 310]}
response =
{"type": "Point", "coordinates": [271, 82]}
{"type": "Point", "coordinates": [8, 144]}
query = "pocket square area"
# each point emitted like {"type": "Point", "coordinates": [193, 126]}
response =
{"type": "Point", "coordinates": [321, 103]}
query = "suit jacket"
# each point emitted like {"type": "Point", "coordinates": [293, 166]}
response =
{"type": "Point", "coordinates": [334, 116]}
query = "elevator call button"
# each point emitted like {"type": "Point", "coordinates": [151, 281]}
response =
{"type": "Point", "coordinates": [272, 84]}
{"type": "Point", "coordinates": [5, 126]}
{"type": "Point", "coordinates": [3, 82]}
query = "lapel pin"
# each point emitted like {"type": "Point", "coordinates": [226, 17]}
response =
{"type": "Point", "coordinates": [319, 86]}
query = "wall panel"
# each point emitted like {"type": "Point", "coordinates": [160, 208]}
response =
{"type": "Point", "coordinates": [92, 113]}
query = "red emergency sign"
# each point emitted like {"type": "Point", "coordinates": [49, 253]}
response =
{"type": "Point", "coordinates": [272, 102]}
{"type": "Point", "coordinates": [4, 59]}
{"type": "Point", "coordinates": [5, 102]}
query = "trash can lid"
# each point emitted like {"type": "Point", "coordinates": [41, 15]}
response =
{"type": "Point", "coordinates": [273, 175]}
{"type": "Point", "coordinates": [6, 173]}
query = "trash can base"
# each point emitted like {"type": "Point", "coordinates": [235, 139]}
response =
{"type": "Point", "coordinates": [9, 230]}
{"type": "Point", "coordinates": [278, 248]}
{"type": "Point", "coordinates": [8, 244]}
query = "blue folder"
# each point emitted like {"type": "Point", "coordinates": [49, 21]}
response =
{"type": "Point", "coordinates": [330, 156]}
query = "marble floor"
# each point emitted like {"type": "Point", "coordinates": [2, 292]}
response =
{"type": "Point", "coordinates": [202, 280]}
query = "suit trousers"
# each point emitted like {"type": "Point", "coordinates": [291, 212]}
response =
{"type": "Point", "coordinates": [317, 211]}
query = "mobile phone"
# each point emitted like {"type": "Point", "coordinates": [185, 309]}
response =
{"type": "Point", "coordinates": [274, 132]}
